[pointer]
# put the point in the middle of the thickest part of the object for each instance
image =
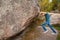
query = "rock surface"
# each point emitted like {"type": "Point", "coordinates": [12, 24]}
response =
{"type": "Point", "coordinates": [15, 15]}
{"type": "Point", "coordinates": [55, 19]}
{"type": "Point", "coordinates": [36, 33]}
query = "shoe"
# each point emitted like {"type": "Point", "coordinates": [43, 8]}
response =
{"type": "Point", "coordinates": [45, 31]}
{"type": "Point", "coordinates": [53, 33]}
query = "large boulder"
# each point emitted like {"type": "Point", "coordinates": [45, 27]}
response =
{"type": "Point", "coordinates": [15, 15]}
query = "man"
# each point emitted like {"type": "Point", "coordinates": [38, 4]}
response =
{"type": "Point", "coordinates": [47, 21]}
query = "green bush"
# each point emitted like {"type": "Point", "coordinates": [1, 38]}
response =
{"type": "Point", "coordinates": [45, 5]}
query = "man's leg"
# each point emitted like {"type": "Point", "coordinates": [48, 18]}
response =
{"type": "Point", "coordinates": [51, 27]}
{"type": "Point", "coordinates": [43, 26]}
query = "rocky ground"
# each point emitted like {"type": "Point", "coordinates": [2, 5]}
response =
{"type": "Point", "coordinates": [34, 32]}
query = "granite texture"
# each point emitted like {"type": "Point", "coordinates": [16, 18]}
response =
{"type": "Point", "coordinates": [15, 15]}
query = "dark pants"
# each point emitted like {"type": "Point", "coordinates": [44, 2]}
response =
{"type": "Point", "coordinates": [44, 24]}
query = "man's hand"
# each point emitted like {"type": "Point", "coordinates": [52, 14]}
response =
{"type": "Point", "coordinates": [42, 14]}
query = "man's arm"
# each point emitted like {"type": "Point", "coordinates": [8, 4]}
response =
{"type": "Point", "coordinates": [43, 13]}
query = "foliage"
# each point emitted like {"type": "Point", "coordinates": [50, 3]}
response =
{"type": "Point", "coordinates": [45, 5]}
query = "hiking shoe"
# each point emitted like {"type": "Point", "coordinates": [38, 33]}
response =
{"type": "Point", "coordinates": [53, 33]}
{"type": "Point", "coordinates": [45, 31]}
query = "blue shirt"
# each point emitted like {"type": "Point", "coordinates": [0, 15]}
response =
{"type": "Point", "coordinates": [47, 17]}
